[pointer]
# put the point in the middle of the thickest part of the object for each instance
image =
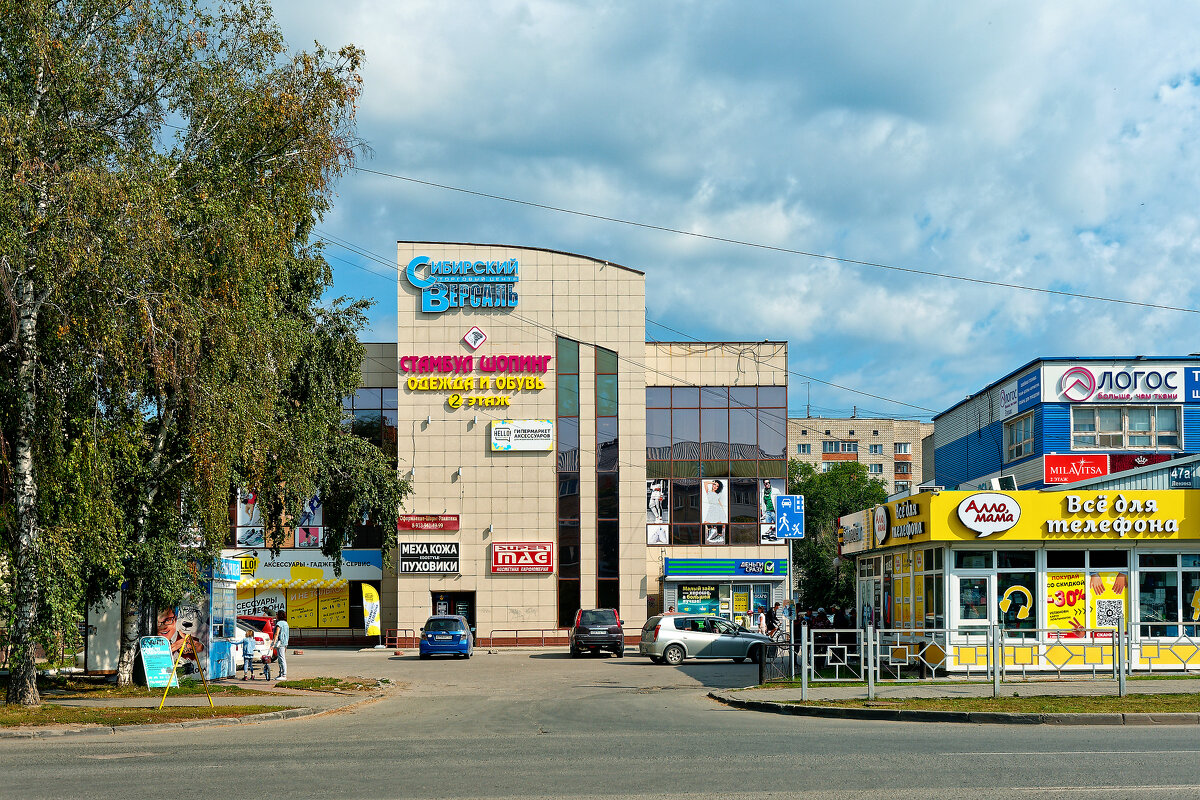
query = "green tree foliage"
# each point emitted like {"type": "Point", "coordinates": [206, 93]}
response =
{"type": "Point", "coordinates": [163, 339]}
{"type": "Point", "coordinates": [847, 487]}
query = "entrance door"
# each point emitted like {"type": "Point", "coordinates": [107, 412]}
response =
{"type": "Point", "coordinates": [461, 603]}
{"type": "Point", "coordinates": [974, 598]}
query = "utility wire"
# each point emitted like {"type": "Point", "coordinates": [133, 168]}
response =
{"type": "Point", "coordinates": [777, 249]}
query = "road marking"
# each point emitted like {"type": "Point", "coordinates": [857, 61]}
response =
{"type": "Point", "coordinates": [111, 756]}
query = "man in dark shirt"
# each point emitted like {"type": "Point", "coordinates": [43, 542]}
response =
{"type": "Point", "coordinates": [772, 619]}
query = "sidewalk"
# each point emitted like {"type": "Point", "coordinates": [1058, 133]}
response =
{"type": "Point", "coordinates": [780, 701]}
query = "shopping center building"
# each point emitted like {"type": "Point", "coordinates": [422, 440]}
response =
{"type": "Point", "coordinates": [560, 461]}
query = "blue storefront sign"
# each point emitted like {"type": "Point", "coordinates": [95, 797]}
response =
{"type": "Point", "coordinates": [725, 567]}
{"type": "Point", "coordinates": [463, 284]}
{"type": "Point", "coordinates": [1029, 391]}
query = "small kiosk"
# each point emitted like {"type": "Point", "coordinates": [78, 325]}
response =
{"type": "Point", "coordinates": [1057, 571]}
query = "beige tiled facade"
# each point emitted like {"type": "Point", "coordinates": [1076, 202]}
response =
{"type": "Point", "coordinates": [860, 434]}
{"type": "Point", "coordinates": [512, 496]}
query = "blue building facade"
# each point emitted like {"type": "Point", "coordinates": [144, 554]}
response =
{"type": "Point", "coordinates": [1058, 420]}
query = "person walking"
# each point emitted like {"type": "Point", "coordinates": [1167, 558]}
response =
{"type": "Point", "coordinates": [280, 642]}
{"type": "Point", "coordinates": [772, 619]}
{"type": "Point", "coordinates": [248, 657]}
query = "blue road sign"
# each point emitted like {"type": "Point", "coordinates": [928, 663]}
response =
{"type": "Point", "coordinates": [789, 516]}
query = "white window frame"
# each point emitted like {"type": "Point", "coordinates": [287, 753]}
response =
{"type": "Point", "coordinates": [902, 448]}
{"type": "Point", "coordinates": [1017, 448]}
{"type": "Point", "coordinates": [1120, 440]}
{"type": "Point", "coordinates": [906, 465]}
{"type": "Point", "coordinates": [804, 449]}
{"type": "Point", "coordinates": [875, 469]}
{"type": "Point", "coordinates": [876, 449]}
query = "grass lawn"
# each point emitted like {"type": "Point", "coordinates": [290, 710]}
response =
{"type": "Point", "coordinates": [66, 686]}
{"type": "Point", "coordinates": [50, 714]}
{"type": "Point", "coordinates": [332, 684]}
{"type": "Point", "coordinates": [1134, 703]}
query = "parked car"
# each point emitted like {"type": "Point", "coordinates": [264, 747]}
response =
{"type": "Point", "coordinates": [597, 629]}
{"type": "Point", "coordinates": [672, 638]}
{"type": "Point", "coordinates": [444, 633]}
{"type": "Point", "coordinates": [264, 624]}
{"type": "Point", "coordinates": [261, 643]}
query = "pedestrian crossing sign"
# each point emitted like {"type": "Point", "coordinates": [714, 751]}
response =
{"type": "Point", "coordinates": [789, 516]}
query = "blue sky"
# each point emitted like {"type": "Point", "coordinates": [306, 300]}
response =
{"type": "Point", "coordinates": [1052, 145]}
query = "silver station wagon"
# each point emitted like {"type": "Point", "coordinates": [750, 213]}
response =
{"type": "Point", "coordinates": [670, 638]}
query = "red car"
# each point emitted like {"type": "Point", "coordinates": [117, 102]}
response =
{"type": "Point", "coordinates": [264, 624]}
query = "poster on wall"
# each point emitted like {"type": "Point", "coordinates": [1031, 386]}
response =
{"type": "Point", "coordinates": [1106, 600]}
{"type": "Point", "coordinates": [714, 501]}
{"type": "Point", "coordinates": [247, 510]}
{"type": "Point", "coordinates": [522, 434]}
{"type": "Point", "coordinates": [772, 490]}
{"type": "Point", "coordinates": [186, 621]}
{"type": "Point", "coordinates": [251, 537]}
{"type": "Point", "coordinates": [714, 534]}
{"type": "Point", "coordinates": [308, 537]}
{"type": "Point", "coordinates": [1066, 604]}
{"type": "Point", "coordinates": [440, 558]}
{"type": "Point", "coordinates": [658, 534]}
{"type": "Point", "coordinates": [658, 509]}
{"type": "Point", "coordinates": [333, 608]}
{"type": "Point", "coordinates": [302, 607]}
{"type": "Point", "coordinates": [698, 598]}
{"type": "Point", "coordinates": [768, 535]}
{"type": "Point", "coordinates": [259, 602]}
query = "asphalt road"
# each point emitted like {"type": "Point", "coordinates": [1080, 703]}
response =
{"type": "Point", "coordinates": [522, 724]}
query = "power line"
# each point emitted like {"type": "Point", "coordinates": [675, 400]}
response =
{"type": "Point", "coordinates": [357, 250]}
{"type": "Point", "coordinates": [778, 249]}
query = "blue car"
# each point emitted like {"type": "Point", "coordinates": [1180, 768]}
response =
{"type": "Point", "coordinates": [445, 634]}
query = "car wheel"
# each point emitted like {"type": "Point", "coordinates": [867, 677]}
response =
{"type": "Point", "coordinates": [575, 653]}
{"type": "Point", "coordinates": [424, 655]}
{"type": "Point", "coordinates": [674, 655]}
{"type": "Point", "coordinates": [620, 653]}
{"type": "Point", "coordinates": [738, 660]}
{"type": "Point", "coordinates": [466, 655]}
{"type": "Point", "coordinates": [756, 654]}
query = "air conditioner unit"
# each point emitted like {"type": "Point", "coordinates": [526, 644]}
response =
{"type": "Point", "coordinates": [931, 488]}
{"type": "Point", "coordinates": [1005, 483]}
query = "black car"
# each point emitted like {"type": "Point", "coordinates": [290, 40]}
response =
{"type": "Point", "coordinates": [597, 629]}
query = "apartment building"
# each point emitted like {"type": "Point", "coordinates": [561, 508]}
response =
{"type": "Point", "coordinates": [891, 448]}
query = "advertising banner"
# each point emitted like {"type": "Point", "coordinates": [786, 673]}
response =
{"type": "Point", "coordinates": [305, 568]}
{"type": "Point", "coordinates": [157, 660]}
{"type": "Point", "coordinates": [1071, 468]}
{"type": "Point", "coordinates": [1066, 603]}
{"type": "Point", "coordinates": [427, 522]}
{"type": "Point", "coordinates": [522, 434]}
{"type": "Point", "coordinates": [1114, 382]}
{"type": "Point", "coordinates": [1107, 601]}
{"type": "Point", "coordinates": [302, 607]}
{"type": "Point", "coordinates": [714, 501]}
{"type": "Point", "coordinates": [253, 602]}
{"type": "Point", "coordinates": [333, 609]}
{"type": "Point", "coordinates": [522, 557]}
{"type": "Point", "coordinates": [698, 598]}
{"type": "Point", "coordinates": [658, 506]}
{"type": "Point", "coordinates": [758, 567]}
{"type": "Point", "coordinates": [370, 599]}
{"type": "Point", "coordinates": [439, 558]}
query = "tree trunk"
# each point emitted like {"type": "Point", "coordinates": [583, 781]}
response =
{"type": "Point", "coordinates": [131, 623]}
{"type": "Point", "coordinates": [22, 682]}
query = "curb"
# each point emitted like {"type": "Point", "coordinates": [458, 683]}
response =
{"type": "Point", "coordinates": [976, 717]}
{"type": "Point", "coordinates": [106, 730]}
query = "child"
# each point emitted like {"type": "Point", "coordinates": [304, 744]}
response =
{"type": "Point", "coordinates": [248, 657]}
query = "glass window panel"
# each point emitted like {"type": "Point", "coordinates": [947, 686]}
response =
{"type": "Point", "coordinates": [743, 427]}
{"type": "Point", "coordinates": [568, 444]}
{"type": "Point", "coordinates": [772, 435]}
{"type": "Point", "coordinates": [743, 534]}
{"type": "Point", "coordinates": [389, 398]}
{"type": "Point", "coordinates": [1064, 559]}
{"type": "Point", "coordinates": [1139, 419]}
{"type": "Point", "coordinates": [606, 395]}
{"type": "Point", "coordinates": [685, 397]}
{"type": "Point", "coordinates": [1108, 420]}
{"type": "Point", "coordinates": [368, 398]}
{"type": "Point", "coordinates": [714, 397]}
{"type": "Point", "coordinates": [1158, 600]}
{"type": "Point", "coordinates": [973, 599]}
{"type": "Point", "coordinates": [772, 397]}
{"type": "Point", "coordinates": [568, 495]}
{"type": "Point", "coordinates": [1166, 419]}
{"type": "Point", "coordinates": [685, 429]}
{"type": "Point", "coordinates": [685, 469]}
{"type": "Point", "coordinates": [1012, 617]}
{"type": "Point", "coordinates": [714, 432]}
{"type": "Point", "coordinates": [389, 432]}
{"type": "Point", "coordinates": [714, 469]}
{"type": "Point", "coordinates": [608, 537]}
{"type": "Point", "coordinates": [568, 357]}
{"type": "Point", "coordinates": [1015, 559]}
{"type": "Point", "coordinates": [743, 502]}
{"type": "Point", "coordinates": [685, 534]}
{"type": "Point", "coordinates": [348, 402]}
{"type": "Point", "coordinates": [606, 362]}
{"type": "Point", "coordinates": [772, 469]}
{"type": "Point", "coordinates": [1103, 559]}
{"type": "Point", "coordinates": [607, 496]}
{"type": "Point", "coordinates": [1158, 560]}
{"type": "Point", "coordinates": [973, 559]}
{"type": "Point", "coordinates": [658, 469]}
{"type": "Point", "coordinates": [743, 396]}
{"type": "Point", "coordinates": [658, 433]}
{"type": "Point", "coordinates": [685, 501]}
{"type": "Point", "coordinates": [606, 430]}
{"type": "Point", "coordinates": [568, 395]}
{"type": "Point", "coordinates": [1083, 420]}
{"type": "Point", "coordinates": [568, 602]}
{"type": "Point", "coordinates": [1191, 560]}
{"type": "Point", "coordinates": [368, 423]}
{"type": "Point", "coordinates": [658, 397]}
{"type": "Point", "coordinates": [608, 593]}
{"type": "Point", "coordinates": [568, 549]}
{"type": "Point", "coordinates": [743, 469]}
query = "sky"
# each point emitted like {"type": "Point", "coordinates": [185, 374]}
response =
{"type": "Point", "coordinates": [1052, 145]}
